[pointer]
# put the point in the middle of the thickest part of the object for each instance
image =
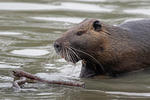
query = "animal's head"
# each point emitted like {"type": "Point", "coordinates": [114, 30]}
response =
{"type": "Point", "coordinates": [86, 40]}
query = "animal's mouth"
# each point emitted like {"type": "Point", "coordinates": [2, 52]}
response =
{"type": "Point", "coordinates": [70, 54]}
{"type": "Point", "coordinates": [91, 68]}
{"type": "Point", "coordinates": [73, 55]}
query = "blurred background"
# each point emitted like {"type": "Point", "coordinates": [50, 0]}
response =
{"type": "Point", "coordinates": [28, 29]}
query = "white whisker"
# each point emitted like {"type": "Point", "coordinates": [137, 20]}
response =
{"type": "Point", "coordinates": [90, 57]}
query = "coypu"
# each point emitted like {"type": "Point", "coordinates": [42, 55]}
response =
{"type": "Point", "coordinates": [106, 49]}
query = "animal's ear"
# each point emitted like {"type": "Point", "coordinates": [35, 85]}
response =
{"type": "Point", "coordinates": [97, 25]}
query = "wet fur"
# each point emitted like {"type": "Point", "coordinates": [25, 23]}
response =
{"type": "Point", "coordinates": [111, 51]}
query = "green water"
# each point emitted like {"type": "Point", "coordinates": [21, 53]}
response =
{"type": "Point", "coordinates": [28, 29]}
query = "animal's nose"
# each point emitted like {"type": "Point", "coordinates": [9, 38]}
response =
{"type": "Point", "coordinates": [57, 47]}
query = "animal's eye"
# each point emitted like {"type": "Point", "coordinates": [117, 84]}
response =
{"type": "Point", "coordinates": [79, 33]}
{"type": "Point", "coordinates": [97, 25]}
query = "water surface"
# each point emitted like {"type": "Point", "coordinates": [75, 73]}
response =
{"type": "Point", "coordinates": [27, 31]}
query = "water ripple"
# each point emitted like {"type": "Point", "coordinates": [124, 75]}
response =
{"type": "Point", "coordinates": [8, 66]}
{"type": "Point", "coordinates": [130, 94]}
{"type": "Point", "coordinates": [10, 33]}
{"type": "Point", "coordinates": [60, 19]}
{"type": "Point", "coordinates": [138, 11]}
{"type": "Point", "coordinates": [30, 52]}
{"type": "Point", "coordinates": [62, 6]}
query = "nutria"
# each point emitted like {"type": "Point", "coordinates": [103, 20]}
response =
{"type": "Point", "coordinates": [106, 49]}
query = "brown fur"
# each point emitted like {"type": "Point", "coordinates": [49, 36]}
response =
{"type": "Point", "coordinates": [112, 49]}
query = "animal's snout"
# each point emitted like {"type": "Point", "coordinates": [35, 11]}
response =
{"type": "Point", "coordinates": [57, 46]}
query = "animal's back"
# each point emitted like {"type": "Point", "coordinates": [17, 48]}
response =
{"type": "Point", "coordinates": [139, 30]}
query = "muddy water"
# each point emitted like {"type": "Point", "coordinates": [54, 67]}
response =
{"type": "Point", "coordinates": [28, 29]}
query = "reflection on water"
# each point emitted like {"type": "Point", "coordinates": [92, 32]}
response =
{"type": "Point", "coordinates": [27, 32]}
{"type": "Point", "coordinates": [61, 6]}
{"type": "Point", "coordinates": [60, 19]}
{"type": "Point", "coordinates": [130, 94]}
{"type": "Point", "coordinates": [138, 11]}
{"type": "Point", "coordinates": [8, 66]}
{"type": "Point", "coordinates": [30, 52]}
{"type": "Point", "coordinates": [9, 33]}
